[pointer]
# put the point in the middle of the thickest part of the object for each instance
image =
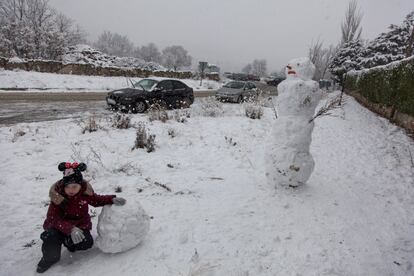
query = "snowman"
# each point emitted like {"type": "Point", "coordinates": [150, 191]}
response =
{"type": "Point", "coordinates": [290, 163]}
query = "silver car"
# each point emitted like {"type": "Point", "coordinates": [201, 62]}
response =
{"type": "Point", "coordinates": [237, 91]}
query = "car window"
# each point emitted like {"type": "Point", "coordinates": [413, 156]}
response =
{"type": "Point", "coordinates": [165, 85]}
{"type": "Point", "coordinates": [234, 84]}
{"type": "Point", "coordinates": [179, 85]}
{"type": "Point", "coordinates": [147, 84]}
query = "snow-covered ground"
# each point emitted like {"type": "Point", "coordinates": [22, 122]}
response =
{"type": "Point", "coordinates": [355, 216]}
{"type": "Point", "coordinates": [36, 82]}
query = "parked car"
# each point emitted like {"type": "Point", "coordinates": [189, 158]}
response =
{"type": "Point", "coordinates": [146, 92]}
{"type": "Point", "coordinates": [237, 91]}
{"type": "Point", "coordinates": [275, 81]}
{"type": "Point", "coordinates": [251, 77]}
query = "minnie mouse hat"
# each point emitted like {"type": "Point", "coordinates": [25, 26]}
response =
{"type": "Point", "coordinates": [72, 172]}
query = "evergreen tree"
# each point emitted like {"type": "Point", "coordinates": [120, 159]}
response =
{"type": "Point", "coordinates": [346, 58]}
{"type": "Point", "coordinates": [389, 46]}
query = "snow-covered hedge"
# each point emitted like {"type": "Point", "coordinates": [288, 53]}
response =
{"type": "Point", "coordinates": [391, 85]}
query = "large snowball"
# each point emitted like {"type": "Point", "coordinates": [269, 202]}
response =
{"type": "Point", "coordinates": [121, 228]}
{"type": "Point", "coordinates": [301, 68]}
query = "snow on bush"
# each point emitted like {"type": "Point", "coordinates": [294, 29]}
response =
{"type": "Point", "coordinates": [210, 107]}
{"type": "Point", "coordinates": [90, 124]}
{"type": "Point", "coordinates": [157, 112]}
{"type": "Point", "coordinates": [253, 110]}
{"type": "Point", "coordinates": [172, 133]}
{"type": "Point", "coordinates": [121, 121]}
{"type": "Point", "coordinates": [144, 139]}
{"type": "Point", "coordinates": [121, 228]}
{"type": "Point", "coordinates": [181, 115]}
{"type": "Point", "coordinates": [18, 133]}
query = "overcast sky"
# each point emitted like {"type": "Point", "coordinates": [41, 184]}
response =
{"type": "Point", "coordinates": [231, 33]}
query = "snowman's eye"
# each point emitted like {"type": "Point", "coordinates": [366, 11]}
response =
{"type": "Point", "coordinates": [297, 64]}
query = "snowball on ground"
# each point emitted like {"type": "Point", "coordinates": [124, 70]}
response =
{"type": "Point", "coordinates": [121, 228]}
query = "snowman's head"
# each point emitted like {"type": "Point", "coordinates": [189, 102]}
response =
{"type": "Point", "coordinates": [301, 68]}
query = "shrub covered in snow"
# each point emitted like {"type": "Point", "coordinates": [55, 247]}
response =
{"type": "Point", "coordinates": [121, 121]}
{"type": "Point", "coordinates": [210, 107]}
{"type": "Point", "coordinates": [89, 125]}
{"type": "Point", "coordinates": [144, 139]}
{"type": "Point", "coordinates": [181, 115]}
{"type": "Point", "coordinates": [157, 112]}
{"type": "Point", "coordinates": [253, 110]}
{"type": "Point", "coordinates": [18, 133]}
{"type": "Point", "coordinates": [172, 133]}
{"type": "Point", "coordinates": [390, 85]}
{"type": "Point", "coordinates": [121, 228]}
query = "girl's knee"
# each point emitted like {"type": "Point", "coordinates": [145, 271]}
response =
{"type": "Point", "coordinates": [51, 235]}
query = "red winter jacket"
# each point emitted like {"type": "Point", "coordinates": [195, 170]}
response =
{"type": "Point", "coordinates": [75, 212]}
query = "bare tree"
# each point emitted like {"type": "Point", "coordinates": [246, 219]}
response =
{"type": "Point", "coordinates": [321, 57]}
{"type": "Point", "coordinates": [176, 57]}
{"type": "Point", "coordinates": [32, 29]}
{"type": "Point", "coordinates": [315, 54]}
{"type": "Point", "coordinates": [247, 69]}
{"type": "Point", "coordinates": [149, 53]}
{"type": "Point", "coordinates": [259, 67]}
{"type": "Point", "coordinates": [351, 26]}
{"type": "Point", "coordinates": [114, 44]}
{"type": "Point", "coordinates": [73, 34]}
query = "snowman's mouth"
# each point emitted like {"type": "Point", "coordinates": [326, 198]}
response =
{"type": "Point", "coordinates": [291, 72]}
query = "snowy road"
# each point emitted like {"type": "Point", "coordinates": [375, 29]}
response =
{"type": "Point", "coordinates": [19, 112]}
{"type": "Point", "coordinates": [21, 107]}
{"type": "Point", "coordinates": [43, 108]}
{"type": "Point", "coordinates": [221, 217]}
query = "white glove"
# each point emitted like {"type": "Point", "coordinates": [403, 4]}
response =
{"type": "Point", "coordinates": [77, 235]}
{"type": "Point", "coordinates": [119, 201]}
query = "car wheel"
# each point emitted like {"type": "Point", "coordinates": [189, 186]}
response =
{"type": "Point", "coordinates": [185, 103]}
{"type": "Point", "coordinates": [140, 107]}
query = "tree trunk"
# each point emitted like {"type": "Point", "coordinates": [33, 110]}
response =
{"type": "Point", "coordinates": [410, 44]}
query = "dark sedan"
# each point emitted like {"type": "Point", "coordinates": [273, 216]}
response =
{"type": "Point", "coordinates": [168, 93]}
{"type": "Point", "coordinates": [275, 81]}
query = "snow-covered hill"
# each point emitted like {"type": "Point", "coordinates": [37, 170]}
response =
{"type": "Point", "coordinates": [84, 54]}
{"type": "Point", "coordinates": [355, 216]}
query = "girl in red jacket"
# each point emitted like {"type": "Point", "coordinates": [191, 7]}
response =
{"type": "Point", "coordinates": [69, 223]}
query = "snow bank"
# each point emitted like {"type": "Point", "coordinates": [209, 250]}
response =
{"type": "Point", "coordinates": [35, 82]}
{"type": "Point", "coordinates": [121, 228]}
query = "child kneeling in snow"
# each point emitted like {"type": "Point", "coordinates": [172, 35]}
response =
{"type": "Point", "coordinates": [68, 221]}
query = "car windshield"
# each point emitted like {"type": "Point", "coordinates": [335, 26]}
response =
{"type": "Point", "coordinates": [234, 85]}
{"type": "Point", "coordinates": [147, 84]}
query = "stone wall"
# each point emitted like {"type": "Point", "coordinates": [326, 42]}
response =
{"type": "Point", "coordinates": [88, 69]}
